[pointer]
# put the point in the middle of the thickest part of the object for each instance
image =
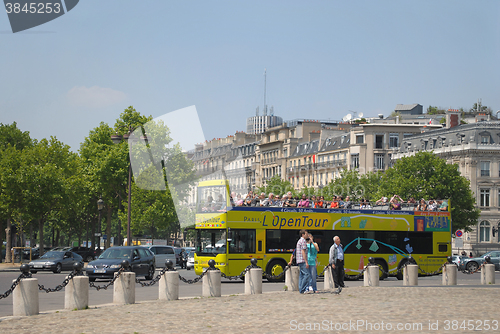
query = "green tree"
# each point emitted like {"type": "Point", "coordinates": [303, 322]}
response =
{"type": "Point", "coordinates": [435, 110]}
{"type": "Point", "coordinates": [425, 175]}
{"type": "Point", "coordinates": [12, 142]}
{"type": "Point", "coordinates": [353, 184]}
{"type": "Point", "coordinates": [276, 186]}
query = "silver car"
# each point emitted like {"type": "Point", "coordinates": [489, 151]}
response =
{"type": "Point", "coordinates": [162, 254]}
{"type": "Point", "coordinates": [474, 263]}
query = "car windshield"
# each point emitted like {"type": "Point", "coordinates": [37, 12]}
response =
{"type": "Point", "coordinates": [116, 254]}
{"type": "Point", "coordinates": [52, 254]}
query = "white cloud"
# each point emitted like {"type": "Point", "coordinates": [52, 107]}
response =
{"type": "Point", "coordinates": [94, 97]}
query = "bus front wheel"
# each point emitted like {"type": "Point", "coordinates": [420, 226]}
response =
{"type": "Point", "coordinates": [274, 268]}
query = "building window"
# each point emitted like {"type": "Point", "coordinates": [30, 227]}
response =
{"type": "Point", "coordinates": [406, 135]}
{"type": "Point", "coordinates": [354, 161]}
{"type": "Point", "coordinates": [359, 139]}
{"type": "Point", "coordinates": [485, 168]}
{"type": "Point", "coordinates": [379, 161]}
{"type": "Point", "coordinates": [484, 231]}
{"type": "Point", "coordinates": [484, 197]}
{"type": "Point", "coordinates": [393, 140]}
{"type": "Point", "coordinates": [379, 141]}
{"type": "Point", "coordinates": [485, 139]}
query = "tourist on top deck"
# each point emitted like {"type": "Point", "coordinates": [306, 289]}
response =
{"type": "Point", "coordinates": [320, 203]}
{"type": "Point", "coordinates": [335, 203]}
{"type": "Point", "coordinates": [422, 206]}
{"type": "Point", "coordinates": [304, 202]}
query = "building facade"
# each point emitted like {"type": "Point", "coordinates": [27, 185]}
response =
{"type": "Point", "coordinates": [475, 148]}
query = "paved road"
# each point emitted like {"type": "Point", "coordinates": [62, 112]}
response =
{"type": "Point", "coordinates": [55, 300]}
{"type": "Point", "coordinates": [355, 310]}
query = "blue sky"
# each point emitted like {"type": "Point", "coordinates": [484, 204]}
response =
{"type": "Point", "coordinates": [323, 59]}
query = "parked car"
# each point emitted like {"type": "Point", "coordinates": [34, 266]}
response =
{"type": "Point", "coordinates": [55, 261]}
{"type": "Point", "coordinates": [141, 261]}
{"type": "Point", "coordinates": [457, 259]}
{"type": "Point", "coordinates": [190, 262]}
{"type": "Point", "coordinates": [472, 264]}
{"type": "Point", "coordinates": [162, 254]}
{"type": "Point", "coordinates": [35, 252]}
{"type": "Point", "coordinates": [88, 254]}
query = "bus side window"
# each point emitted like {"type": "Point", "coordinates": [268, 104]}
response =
{"type": "Point", "coordinates": [260, 246]}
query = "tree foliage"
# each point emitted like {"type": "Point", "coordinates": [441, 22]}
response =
{"type": "Point", "coordinates": [277, 186]}
{"type": "Point", "coordinates": [352, 183]}
{"type": "Point", "coordinates": [427, 176]}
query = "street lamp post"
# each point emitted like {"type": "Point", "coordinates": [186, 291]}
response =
{"type": "Point", "coordinates": [100, 206]}
{"type": "Point", "coordinates": [117, 139]}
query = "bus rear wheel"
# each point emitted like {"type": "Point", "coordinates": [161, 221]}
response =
{"type": "Point", "coordinates": [274, 268]}
{"type": "Point", "coordinates": [383, 269]}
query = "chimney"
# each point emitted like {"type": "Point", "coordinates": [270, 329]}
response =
{"type": "Point", "coordinates": [452, 118]}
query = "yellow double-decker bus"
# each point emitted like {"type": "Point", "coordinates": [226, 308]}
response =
{"type": "Point", "coordinates": [233, 235]}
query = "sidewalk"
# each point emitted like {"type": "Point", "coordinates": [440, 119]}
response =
{"type": "Point", "coordinates": [11, 267]}
{"type": "Point", "coordinates": [355, 310]}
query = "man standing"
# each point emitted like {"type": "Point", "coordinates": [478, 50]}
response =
{"type": "Point", "coordinates": [336, 260]}
{"type": "Point", "coordinates": [301, 254]}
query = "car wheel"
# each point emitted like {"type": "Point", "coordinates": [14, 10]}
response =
{"type": "Point", "coordinates": [274, 268]}
{"type": "Point", "coordinates": [58, 268]}
{"type": "Point", "coordinates": [33, 271]}
{"type": "Point", "coordinates": [188, 268]}
{"type": "Point", "coordinates": [151, 273]}
{"type": "Point", "coordinates": [89, 258]}
{"type": "Point", "coordinates": [91, 279]}
{"type": "Point", "coordinates": [472, 266]}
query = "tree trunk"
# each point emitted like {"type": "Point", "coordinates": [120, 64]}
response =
{"type": "Point", "coordinates": [92, 234]}
{"type": "Point", "coordinates": [8, 237]}
{"type": "Point", "coordinates": [32, 239]}
{"type": "Point", "coordinates": [58, 234]}
{"type": "Point", "coordinates": [108, 227]}
{"type": "Point", "coordinates": [40, 237]}
{"type": "Point", "coordinates": [1, 238]}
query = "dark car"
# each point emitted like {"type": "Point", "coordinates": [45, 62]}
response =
{"type": "Point", "coordinates": [88, 254]}
{"type": "Point", "coordinates": [55, 261]}
{"type": "Point", "coordinates": [141, 261]}
{"type": "Point", "coordinates": [35, 252]}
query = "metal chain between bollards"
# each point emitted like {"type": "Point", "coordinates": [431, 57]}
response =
{"type": "Point", "coordinates": [196, 280]}
{"type": "Point", "coordinates": [470, 272]}
{"type": "Point", "coordinates": [16, 282]}
{"type": "Point", "coordinates": [106, 286]}
{"type": "Point", "coordinates": [279, 275]}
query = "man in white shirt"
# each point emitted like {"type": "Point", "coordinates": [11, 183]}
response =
{"type": "Point", "coordinates": [336, 259]}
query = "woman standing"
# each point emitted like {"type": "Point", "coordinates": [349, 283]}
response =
{"type": "Point", "coordinates": [312, 252]}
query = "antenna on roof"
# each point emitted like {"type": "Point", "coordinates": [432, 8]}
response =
{"type": "Point", "coordinates": [348, 117]}
{"type": "Point", "coordinates": [361, 115]}
{"type": "Point", "coordinates": [265, 82]}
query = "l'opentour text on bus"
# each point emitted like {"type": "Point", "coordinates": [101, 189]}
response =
{"type": "Point", "coordinates": [232, 236]}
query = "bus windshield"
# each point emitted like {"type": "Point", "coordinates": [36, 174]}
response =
{"type": "Point", "coordinates": [210, 242]}
{"type": "Point", "coordinates": [212, 199]}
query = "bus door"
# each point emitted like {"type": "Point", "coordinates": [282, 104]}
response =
{"type": "Point", "coordinates": [242, 248]}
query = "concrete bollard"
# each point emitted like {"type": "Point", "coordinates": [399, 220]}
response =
{"type": "Point", "coordinates": [253, 282]}
{"type": "Point", "coordinates": [211, 284]}
{"type": "Point", "coordinates": [328, 283]}
{"type": "Point", "coordinates": [450, 274]}
{"type": "Point", "coordinates": [124, 289]}
{"type": "Point", "coordinates": [169, 286]}
{"type": "Point", "coordinates": [410, 275]}
{"type": "Point", "coordinates": [292, 278]}
{"type": "Point", "coordinates": [76, 293]}
{"type": "Point", "coordinates": [488, 274]}
{"type": "Point", "coordinates": [371, 276]}
{"type": "Point", "coordinates": [25, 297]}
